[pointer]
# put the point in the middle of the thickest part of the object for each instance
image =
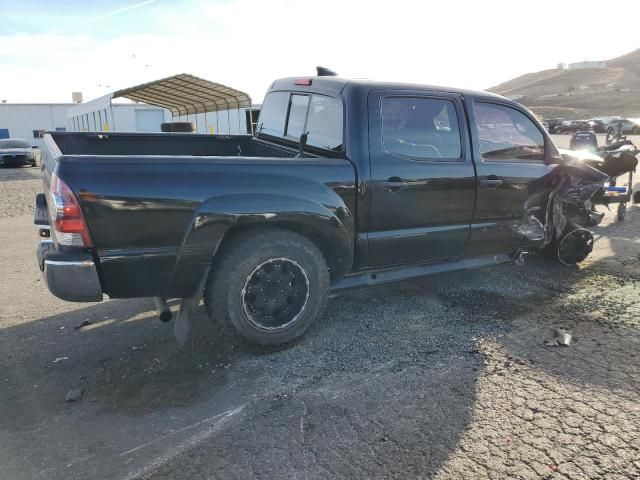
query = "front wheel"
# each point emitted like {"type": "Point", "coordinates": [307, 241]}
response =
{"type": "Point", "coordinates": [270, 285]}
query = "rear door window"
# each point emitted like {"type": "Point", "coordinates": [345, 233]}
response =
{"type": "Point", "coordinates": [421, 128]}
{"type": "Point", "coordinates": [506, 134]}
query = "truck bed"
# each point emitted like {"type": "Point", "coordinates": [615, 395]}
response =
{"type": "Point", "coordinates": [144, 195]}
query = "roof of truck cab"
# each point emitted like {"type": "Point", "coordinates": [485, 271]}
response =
{"type": "Point", "coordinates": [337, 84]}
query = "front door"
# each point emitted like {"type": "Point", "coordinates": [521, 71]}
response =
{"type": "Point", "coordinates": [510, 149]}
{"type": "Point", "coordinates": [423, 183]}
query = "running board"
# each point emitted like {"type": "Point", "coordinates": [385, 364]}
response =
{"type": "Point", "coordinates": [378, 277]}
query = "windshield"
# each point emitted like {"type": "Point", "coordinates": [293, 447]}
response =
{"type": "Point", "coordinates": [13, 143]}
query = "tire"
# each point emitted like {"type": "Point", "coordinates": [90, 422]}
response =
{"type": "Point", "coordinates": [621, 212]}
{"type": "Point", "coordinates": [182, 127]}
{"type": "Point", "coordinates": [573, 246]}
{"type": "Point", "coordinates": [239, 289]}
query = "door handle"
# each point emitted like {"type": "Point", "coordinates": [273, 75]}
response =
{"type": "Point", "coordinates": [491, 181]}
{"type": "Point", "coordinates": [395, 184]}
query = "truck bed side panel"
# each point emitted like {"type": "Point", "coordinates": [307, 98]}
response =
{"type": "Point", "coordinates": [139, 210]}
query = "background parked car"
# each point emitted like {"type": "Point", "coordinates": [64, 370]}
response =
{"type": "Point", "coordinates": [571, 126]}
{"type": "Point", "coordinates": [629, 126]}
{"type": "Point", "coordinates": [15, 152]}
{"type": "Point", "coordinates": [553, 124]}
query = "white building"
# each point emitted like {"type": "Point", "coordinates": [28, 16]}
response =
{"type": "Point", "coordinates": [587, 64]}
{"type": "Point", "coordinates": [102, 114]}
{"type": "Point", "coordinates": [29, 121]}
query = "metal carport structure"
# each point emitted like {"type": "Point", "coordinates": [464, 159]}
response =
{"type": "Point", "coordinates": [186, 94]}
{"type": "Point", "coordinates": [182, 95]}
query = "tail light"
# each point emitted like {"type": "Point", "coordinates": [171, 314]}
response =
{"type": "Point", "coordinates": [67, 219]}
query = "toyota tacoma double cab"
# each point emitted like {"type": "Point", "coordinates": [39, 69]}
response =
{"type": "Point", "coordinates": [345, 183]}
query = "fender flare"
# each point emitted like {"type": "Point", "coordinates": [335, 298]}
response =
{"type": "Point", "coordinates": [217, 215]}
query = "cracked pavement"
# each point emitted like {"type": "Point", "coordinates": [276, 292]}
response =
{"type": "Point", "coordinates": [445, 377]}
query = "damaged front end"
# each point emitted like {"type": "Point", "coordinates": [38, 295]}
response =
{"type": "Point", "coordinates": [560, 209]}
{"type": "Point", "coordinates": [561, 205]}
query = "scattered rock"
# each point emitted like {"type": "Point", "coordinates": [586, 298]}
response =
{"type": "Point", "coordinates": [74, 395]}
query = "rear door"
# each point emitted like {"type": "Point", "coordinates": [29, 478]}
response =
{"type": "Point", "coordinates": [510, 149]}
{"type": "Point", "coordinates": [423, 183]}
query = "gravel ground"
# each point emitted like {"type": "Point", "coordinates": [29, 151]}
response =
{"type": "Point", "coordinates": [446, 377]}
{"type": "Point", "coordinates": [18, 188]}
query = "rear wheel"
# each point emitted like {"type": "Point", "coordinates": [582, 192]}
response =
{"type": "Point", "coordinates": [270, 285]}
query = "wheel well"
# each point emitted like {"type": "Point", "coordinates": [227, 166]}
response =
{"type": "Point", "coordinates": [336, 267]}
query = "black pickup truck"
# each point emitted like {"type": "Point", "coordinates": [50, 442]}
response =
{"type": "Point", "coordinates": [345, 183]}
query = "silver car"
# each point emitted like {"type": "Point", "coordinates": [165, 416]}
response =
{"type": "Point", "coordinates": [15, 152]}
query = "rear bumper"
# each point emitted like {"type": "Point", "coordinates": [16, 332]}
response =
{"type": "Point", "coordinates": [70, 276]}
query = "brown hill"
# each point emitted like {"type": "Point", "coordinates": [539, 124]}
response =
{"type": "Point", "coordinates": [630, 61]}
{"type": "Point", "coordinates": [583, 93]}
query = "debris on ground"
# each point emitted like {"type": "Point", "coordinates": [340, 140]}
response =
{"type": "Point", "coordinates": [60, 359]}
{"type": "Point", "coordinates": [85, 323]}
{"type": "Point", "coordinates": [560, 337]}
{"type": "Point", "coordinates": [74, 395]}
{"type": "Point", "coordinates": [563, 337]}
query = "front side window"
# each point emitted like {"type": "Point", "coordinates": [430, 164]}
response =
{"type": "Point", "coordinates": [506, 134]}
{"type": "Point", "coordinates": [421, 128]}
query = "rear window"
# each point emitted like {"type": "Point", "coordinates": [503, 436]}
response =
{"type": "Point", "coordinates": [298, 107]}
{"type": "Point", "coordinates": [273, 114]}
{"type": "Point", "coordinates": [289, 115]}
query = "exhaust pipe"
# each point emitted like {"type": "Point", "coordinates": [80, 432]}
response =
{"type": "Point", "coordinates": [164, 312]}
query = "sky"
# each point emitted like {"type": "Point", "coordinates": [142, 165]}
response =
{"type": "Point", "coordinates": [49, 48]}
